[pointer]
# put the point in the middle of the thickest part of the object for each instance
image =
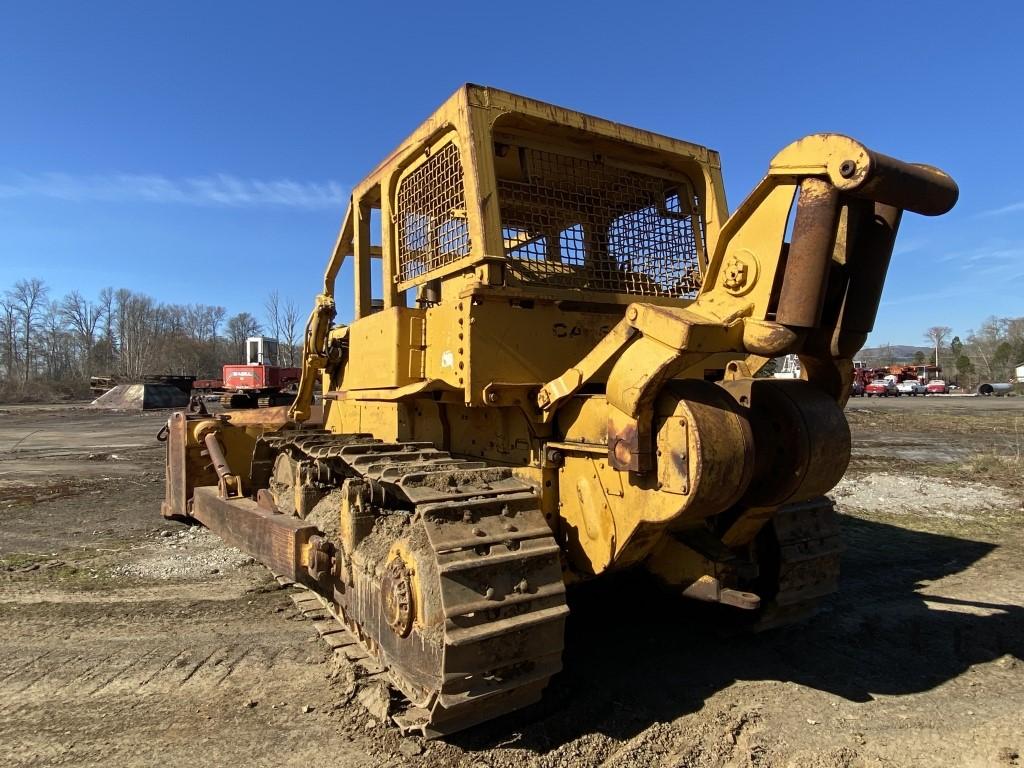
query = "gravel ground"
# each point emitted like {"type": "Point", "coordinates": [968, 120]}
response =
{"type": "Point", "coordinates": [186, 554]}
{"type": "Point", "coordinates": [915, 496]}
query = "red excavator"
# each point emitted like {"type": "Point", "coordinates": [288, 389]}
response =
{"type": "Point", "coordinates": [258, 383]}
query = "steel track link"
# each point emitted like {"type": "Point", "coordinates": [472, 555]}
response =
{"type": "Point", "coordinates": [499, 580]}
{"type": "Point", "coordinates": [809, 551]}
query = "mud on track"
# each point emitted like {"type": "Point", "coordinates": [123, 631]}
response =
{"type": "Point", "coordinates": [120, 645]}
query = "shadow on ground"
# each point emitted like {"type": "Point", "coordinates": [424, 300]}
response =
{"type": "Point", "coordinates": [636, 655]}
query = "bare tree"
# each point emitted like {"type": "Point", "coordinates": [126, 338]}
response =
{"type": "Point", "coordinates": [239, 328]}
{"type": "Point", "coordinates": [216, 318]}
{"type": "Point", "coordinates": [272, 306]}
{"type": "Point", "coordinates": [290, 330]}
{"type": "Point", "coordinates": [83, 318]}
{"type": "Point", "coordinates": [57, 343]}
{"type": "Point", "coordinates": [202, 321]}
{"type": "Point", "coordinates": [138, 326]}
{"type": "Point", "coordinates": [106, 351]}
{"type": "Point", "coordinates": [9, 331]}
{"type": "Point", "coordinates": [937, 334]}
{"type": "Point", "coordinates": [996, 347]}
{"type": "Point", "coordinates": [28, 298]}
{"type": "Point", "coordinates": [174, 317]}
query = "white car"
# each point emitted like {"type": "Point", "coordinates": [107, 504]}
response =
{"type": "Point", "coordinates": [913, 388]}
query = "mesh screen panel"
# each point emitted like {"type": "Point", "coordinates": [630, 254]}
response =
{"type": "Point", "coordinates": [432, 227]}
{"type": "Point", "coordinates": [580, 223]}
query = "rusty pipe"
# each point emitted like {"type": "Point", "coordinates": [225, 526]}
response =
{"type": "Point", "coordinates": [913, 187]}
{"type": "Point", "coordinates": [220, 463]}
{"type": "Point", "coordinates": [807, 265]}
{"type": "Point", "coordinates": [229, 485]}
{"type": "Point", "coordinates": [869, 263]}
{"type": "Point", "coordinates": [863, 173]}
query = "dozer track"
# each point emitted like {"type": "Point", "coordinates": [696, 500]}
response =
{"type": "Point", "coordinates": [234, 400]}
{"type": "Point", "coordinates": [475, 546]}
{"type": "Point", "coordinates": [800, 554]}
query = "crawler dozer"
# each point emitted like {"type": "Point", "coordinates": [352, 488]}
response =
{"type": "Point", "coordinates": [557, 379]}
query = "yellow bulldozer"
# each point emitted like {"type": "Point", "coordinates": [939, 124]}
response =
{"type": "Point", "coordinates": [558, 381]}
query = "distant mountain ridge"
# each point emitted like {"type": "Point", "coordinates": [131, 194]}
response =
{"type": "Point", "coordinates": [899, 353]}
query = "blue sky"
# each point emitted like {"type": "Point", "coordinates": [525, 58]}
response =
{"type": "Point", "coordinates": [159, 146]}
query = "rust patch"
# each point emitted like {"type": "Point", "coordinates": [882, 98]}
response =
{"type": "Point", "coordinates": [814, 231]}
{"type": "Point", "coordinates": [623, 445]}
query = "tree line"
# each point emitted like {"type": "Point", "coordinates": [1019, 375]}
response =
{"type": "Point", "coordinates": [989, 353]}
{"type": "Point", "coordinates": [58, 343]}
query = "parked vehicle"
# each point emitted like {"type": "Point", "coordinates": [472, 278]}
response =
{"type": "Point", "coordinates": [882, 388]}
{"type": "Point", "coordinates": [912, 388]}
{"type": "Point", "coordinates": [937, 387]}
{"type": "Point", "coordinates": [994, 388]}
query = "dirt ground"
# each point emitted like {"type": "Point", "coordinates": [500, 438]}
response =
{"type": "Point", "coordinates": [127, 641]}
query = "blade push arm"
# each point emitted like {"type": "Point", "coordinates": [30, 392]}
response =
{"type": "Point", "coordinates": [314, 344]}
{"type": "Point", "coordinates": [314, 355]}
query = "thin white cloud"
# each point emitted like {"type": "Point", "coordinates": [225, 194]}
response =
{"type": "Point", "coordinates": [218, 190]}
{"type": "Point", "coordinates": [946, 293]}
{"type": "Point", "coordinates": [993, 251]}
{"type": "Point", "coordinates": [904, 247]}
{"type": "Point", "coordinates": [1011, 208]}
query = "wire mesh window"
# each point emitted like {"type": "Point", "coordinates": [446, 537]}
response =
{"type": "Point", "coordinates": [581, 223]}
{"type": "Point", "coordinates": [432, 226]}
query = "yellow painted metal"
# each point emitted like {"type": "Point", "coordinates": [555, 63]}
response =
{"type": "Point", "coordinates": [389, 345]}
{"type": "Point", "coordinates": [314, 353]}
{"type": "Point", "coordinates": [619, 388]}
{"type": "Point", "coordinates": [400, 550]}
{"type": "Point", "coordinates": [615, 518]}
{"type": "Point", "coordinates": [236, 442]}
